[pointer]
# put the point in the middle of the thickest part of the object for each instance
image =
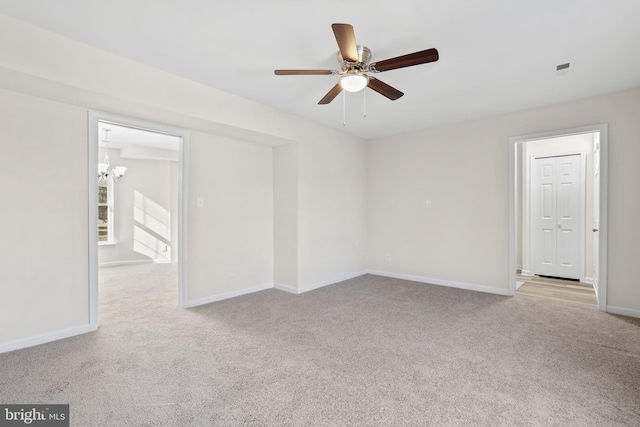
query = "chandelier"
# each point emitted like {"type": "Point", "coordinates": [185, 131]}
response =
{"type": "Point", "coordinates": [104, 169]}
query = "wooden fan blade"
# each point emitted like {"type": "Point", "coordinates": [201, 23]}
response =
{"type": "Point", "coordinates": [384, 89]}
{"type": "Point", "coordinates": [346, 39]}
{"type": "Point", "coordinates": [335, 91]}
{"type": "Point", "coordinates": [416, 58]}
{"type": "Point", "coordinates": [302, 72]}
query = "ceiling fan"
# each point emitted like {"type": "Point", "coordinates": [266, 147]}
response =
{"type": "Point", "coordinates": [355, 66]}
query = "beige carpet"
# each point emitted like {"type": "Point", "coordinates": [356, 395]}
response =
{"type": "Point", "coordinates": [369, 351]}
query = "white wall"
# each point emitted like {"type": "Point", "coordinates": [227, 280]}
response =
{"type": "Point", "coordinates": [332, 209]}
{"type": "Point", "coordinates": [39, 62]}
{"type": "Point", "coordinates": [235, 229]}
{"type": "Point", "coordinates": [463, 169]}
{"type": "Point", "coordinates": [320, 211]}
{"type": "Point", "coordinates": [54, 81]}
{"type": "Point", "coordinates": [547, 147]}
{"type": "Point", "coordinates": [43, 217]}
{"type": "Point", "coordinates": [285, 205]}
{"type": "Point", "coordinates": [146, 204]}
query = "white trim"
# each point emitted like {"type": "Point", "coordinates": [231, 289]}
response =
{"type": "Point", "coordinates": [134, 262]}
{"type": "Point", "coordinates": [603, 130]}
{"type": "Point", "coordinates": [588, 280]}
{"type": "Point", "coordinates": [623, 311]}
{"type": "Point", "coordinates": [303, 289]}
{"type": "Point", "coordinates": [93, 118]}
{"type": "Point", "coordinates": [183, 220]}
{"type": "Point", "coordinates": [583, 216]}
{"type": "Point", "coordinates": [92, 130]}
{"type": "Point", "coordinates": [595, 289]}
{"type": "Point", "coordinates": [286, 288]}
{"type": "Point", "coordinates": [441, 282]}
{"type": "Point", "coordinates": [604, 203]}
{"type": "Point", "coordinates": [526, 273]}
{"type": "Point", "coordinates": [279, 286]}
{"type": "Point", "coordinates": [219, 297]}
{"type": "Point", "coordinates": [45, 338]}
{"type": "Point", "coordinates": [331, 281]}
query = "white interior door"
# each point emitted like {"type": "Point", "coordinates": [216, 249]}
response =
{"type": "Point", "coordinates": [557, 216]}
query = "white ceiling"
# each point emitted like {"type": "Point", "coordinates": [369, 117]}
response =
{"type": "Point", "coordinates": [496, 56]}
{"type": "Point", "coordinates": [117, 137]}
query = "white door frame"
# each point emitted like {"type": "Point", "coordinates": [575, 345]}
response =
{"type": "Point", "coordinates": [93, 118]}
{"type": "Point", "coordinates": [603, 130]}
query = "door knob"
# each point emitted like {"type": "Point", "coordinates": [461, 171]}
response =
{"type": "Point", "coordinates": [594, 230]}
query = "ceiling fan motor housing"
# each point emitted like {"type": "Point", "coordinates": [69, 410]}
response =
{"type": "Point", "coordinates": [364, 56]}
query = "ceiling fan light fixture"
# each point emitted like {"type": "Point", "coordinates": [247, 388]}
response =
{"type": "Point", "coordinates": [354, 82]}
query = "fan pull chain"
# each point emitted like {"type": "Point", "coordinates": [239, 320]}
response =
{"type": "Point", "coordinates": [344, 108]}
{"type": "Point", "coordinates": [364, 97]}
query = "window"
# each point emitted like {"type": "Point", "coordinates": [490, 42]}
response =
{"type": "Point", "coordinates": [105, 212]}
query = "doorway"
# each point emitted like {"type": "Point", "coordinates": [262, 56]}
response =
{"type": "Point", "coordinates": [149, 228]}
{"type": "Point", "coordinates": [545, 243]}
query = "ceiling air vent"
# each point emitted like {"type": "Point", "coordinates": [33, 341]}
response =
{"type": "Point", "coordinates": [565, 68]}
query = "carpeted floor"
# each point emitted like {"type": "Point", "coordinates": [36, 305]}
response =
{"type": "Point", "coordinates": [368, 351]}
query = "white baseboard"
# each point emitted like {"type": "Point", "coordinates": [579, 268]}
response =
{"type": "Point", "coordinates": [440, 282]}
{"type": "Point", "coordinates": [286, 288]}
{"type": "Point", "coordinates": [280, 286]}
{"type": "Point", "coordinates": [219, 297]}
{"type": "Point", "coordinates": [331, 281]}
{"type": "Point", "coordinates": [134, 262]}
{"type": "Point", "coordinates": [623, 311]}
{"type": "Point", "coordinates": [526, 273]}
{"type": "Point", "coordinates": [318, 285]}
{"type": "Point", "coordinates": [588, 280]}
{"type": "Point", "coordinates": [45, 338]}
